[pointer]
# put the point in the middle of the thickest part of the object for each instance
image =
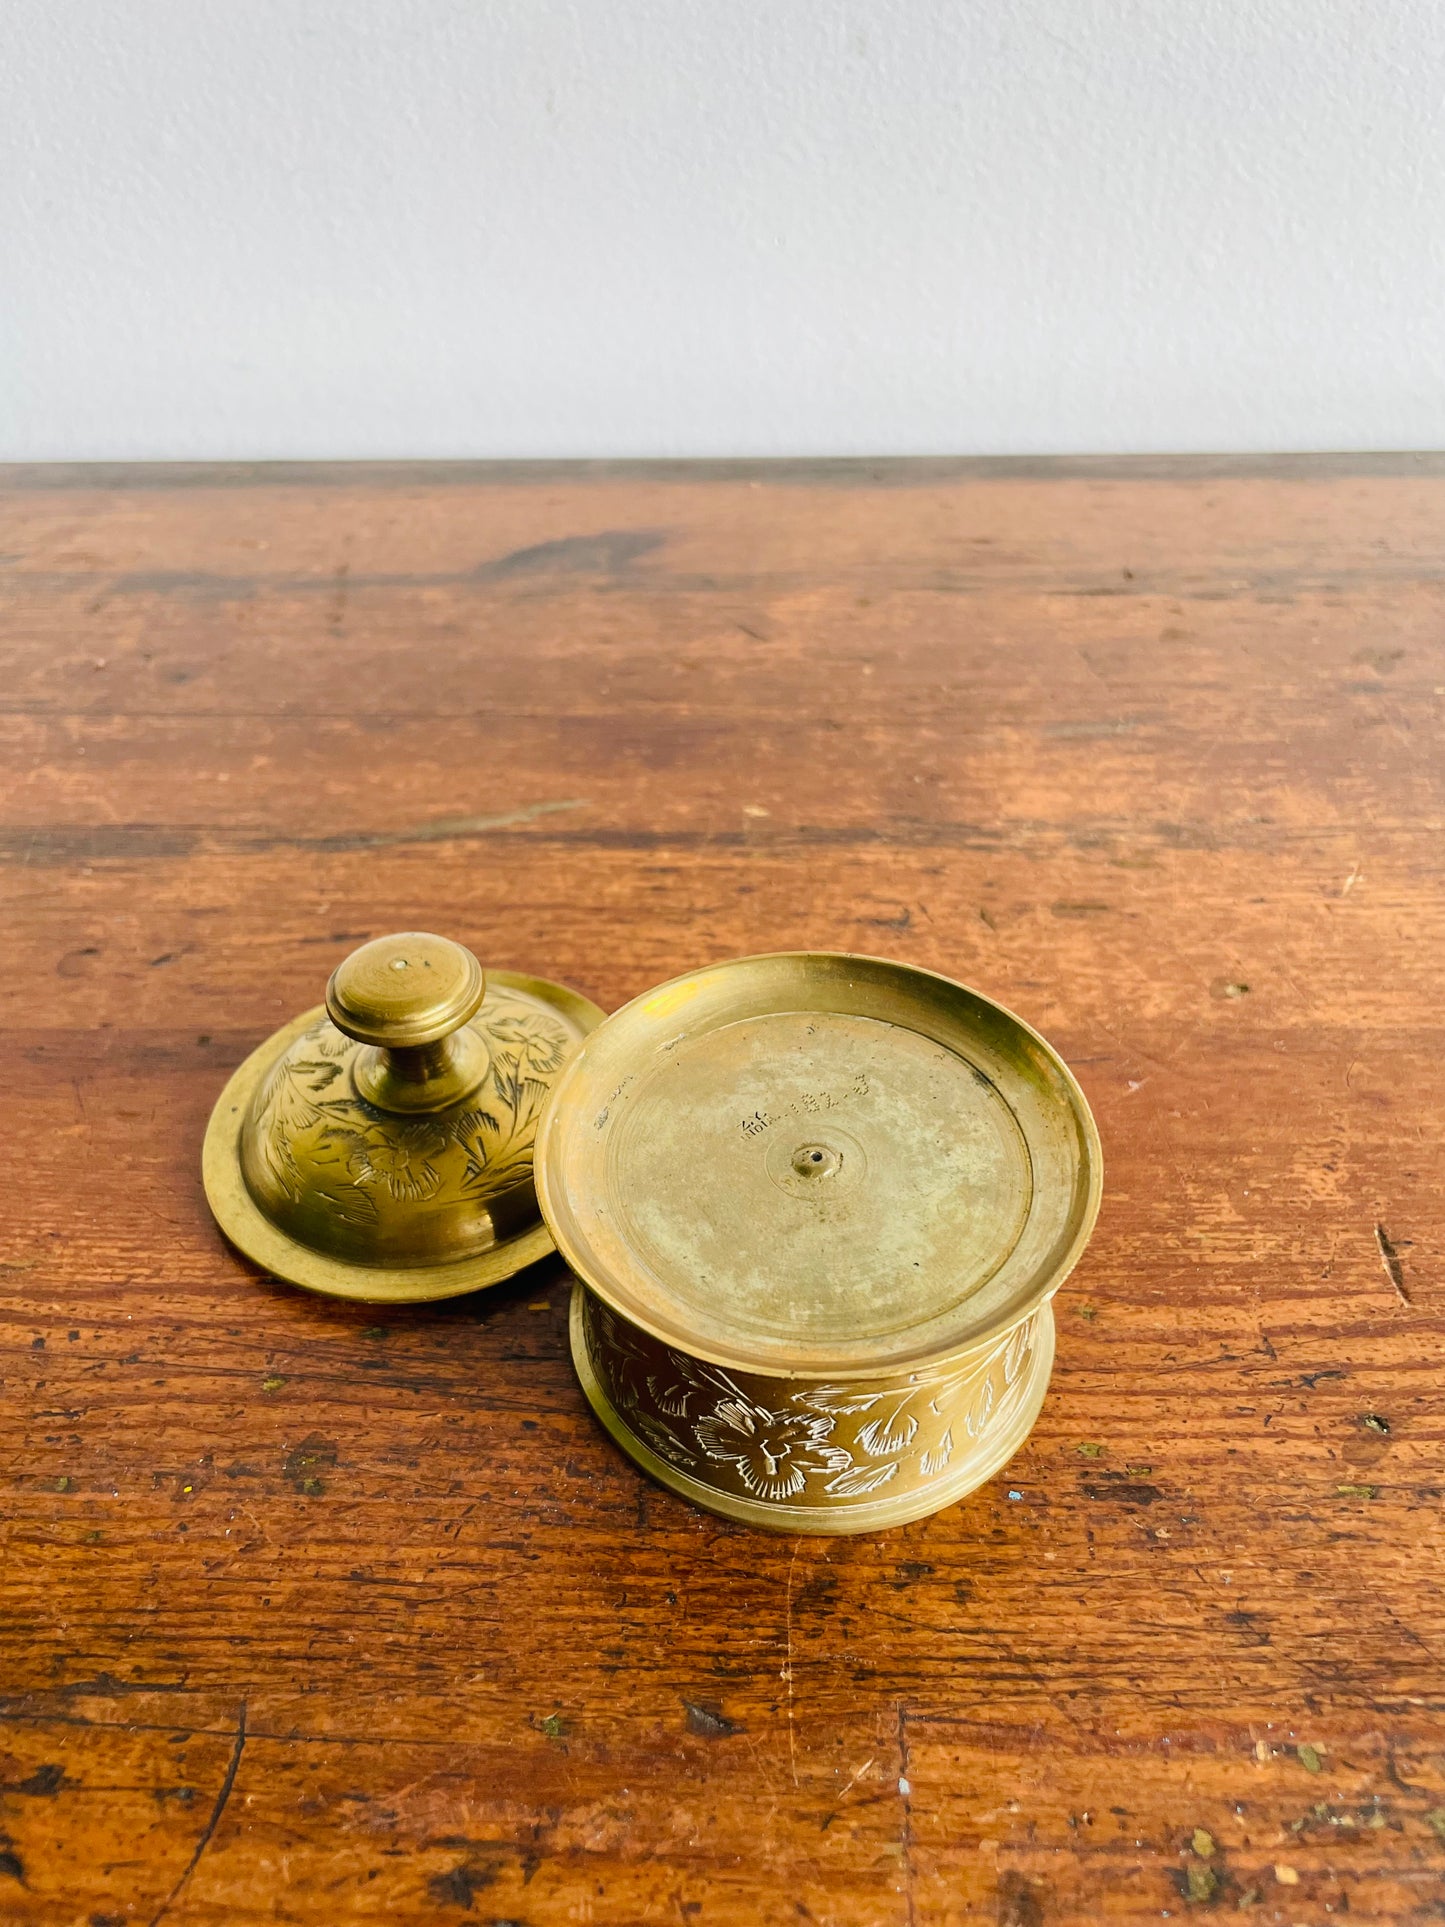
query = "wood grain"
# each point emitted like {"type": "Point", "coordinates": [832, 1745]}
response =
{"type": "Point", "coordinates": [312, 1613]}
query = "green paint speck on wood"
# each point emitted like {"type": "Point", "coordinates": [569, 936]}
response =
{"type": "Point", "coordinates": [1201, 1882]}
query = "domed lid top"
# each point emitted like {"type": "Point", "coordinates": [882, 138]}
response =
{"type": "Point", "coordinates": [381, 1146]}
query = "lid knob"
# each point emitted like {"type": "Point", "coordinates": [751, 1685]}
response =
{"type": "Point", "coordinates": [410, 998]}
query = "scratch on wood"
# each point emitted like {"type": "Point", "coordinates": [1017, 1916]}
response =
{"type": "Point", "coordinates": [788, 1662]}
{"type": "Point", "coordinates": [905, 1791]}
{"type": "Point", "coordinates": [338, 604]}
{"type": "Point", "coordinates": [1394, 1270]}
{"type": "Point", "coordinates": [449, 827]}
{"type": "Point", "coordinates": [855, 1777]}
{"type": "Point", "coordinates": [210, 1827]}
{"type": "Point", "coordinates": [131, 842]}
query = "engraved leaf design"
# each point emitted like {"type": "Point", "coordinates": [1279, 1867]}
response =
{"type": "Point", "coordinates": [354, 1205]}
{"type": "Point", "coordinates": [281, 1162]}
{"type": "Point", "coordinates": [498, 1143]}
{"type": "Point", "coordinates": [617, 1337]}
{"type": "Point", "coordinates": [859, 1479]}
{"type": "Point", "coordinates": [935, 1460]}
{"type": "Point", "coordinates": [1019, 1346]}
{"type": "Point", "coordinates": [670, 1396]}
{"type": "Point", "coordinates": [663, 1440]}
{"type": "Point", "coordinates": [982, 1407]}
{"type": "Point", "coordinates": [838, 1399]}
{"type": "Point", "coordinates": [322, 1073]}
{"type": "Point", "coordinates": [892, 1433]}
{"type": "Point", "coordinates": [712, 1375]}
{"type": "Point", "coordinates": [288, 1112]}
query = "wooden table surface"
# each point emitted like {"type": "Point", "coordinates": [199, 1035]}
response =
{"type": "Point", "coordinates": [316, 1613]}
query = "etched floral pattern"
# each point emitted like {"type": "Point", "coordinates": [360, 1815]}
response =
{"type": "Point", "coordinates": [322, 1145]}
{"type": "Point", "coordinates": [774, 1452]}
{"type": "Point", "coordinates": [535, 1049]}
{"type": "Point", "coordinates": [408, 1170]}
{"type": "Point", "coordinates": [838, 1442]}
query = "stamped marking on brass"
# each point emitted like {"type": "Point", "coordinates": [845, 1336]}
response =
{"type": "Point", "coordinates": [810, 1104]}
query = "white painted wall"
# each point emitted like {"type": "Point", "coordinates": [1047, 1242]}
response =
{"type": "Point", "coordinates": [611, 227]}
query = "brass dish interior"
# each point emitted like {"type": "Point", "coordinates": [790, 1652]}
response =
{"type": "Point", "coordinates": [815, 1164]}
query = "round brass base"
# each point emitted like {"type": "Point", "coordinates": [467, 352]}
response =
{"type": "Point", "coordinates": [266, 1244]}
{"type": "Point", "coordinates": [1008, 1421]}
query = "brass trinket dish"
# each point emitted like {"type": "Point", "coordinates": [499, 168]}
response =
{"type": "Point", "coordinates": [817, 1206]}
{"type": "Point", "coordinates": [380, 1146]}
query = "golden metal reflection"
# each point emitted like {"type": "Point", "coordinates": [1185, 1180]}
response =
{"type": "Point", "coordinates": [818, 1205]}
{"type": "Point", "coordinates": [380, 1146]}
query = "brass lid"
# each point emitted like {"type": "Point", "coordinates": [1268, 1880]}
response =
{"type": "Point", "coordinates": [380, 1146]}
{"type": "Point", "coordinates": [818, 1164]}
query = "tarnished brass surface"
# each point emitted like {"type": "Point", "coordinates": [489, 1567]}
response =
{"type": "Point", "coordinates": [818, 1204]}
{"type": "Point", "coordinates": [380, 1146]}
{"type": "Point", "coordinates": [796, 1456]}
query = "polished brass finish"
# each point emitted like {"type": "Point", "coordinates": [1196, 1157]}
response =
{"type": "Point", "coordinates": [818, 1205]}
{"type": "Point", "coordinates": [380, 1147]}
{"type": "Point", "coordinates": [411, 1000]}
